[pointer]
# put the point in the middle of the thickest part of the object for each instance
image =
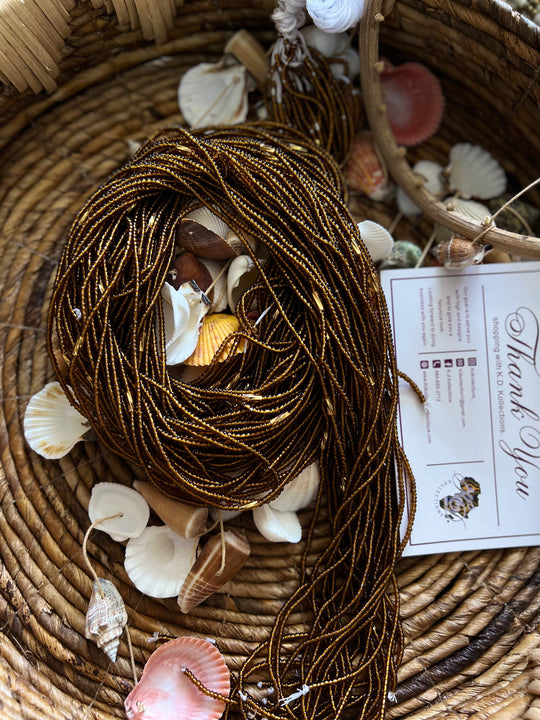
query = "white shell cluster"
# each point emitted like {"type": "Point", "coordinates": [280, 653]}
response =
{"type": "Point", "coordinates": [52, 426]}
{"type": "Point", "coordinates": [277, 520]}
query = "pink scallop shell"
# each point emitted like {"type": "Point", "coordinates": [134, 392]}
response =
{"type": "Point", "coordinates": [414, 101]}
{"type": "Point", "coordinates": [165, 692]}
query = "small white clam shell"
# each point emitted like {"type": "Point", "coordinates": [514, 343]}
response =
{"type": "Point", "coordinates": [300, 491]}
{"type": "Point", "coordinates": [241, 276]}
{"type": "Point", "coordinates": [277, 526]}
{"type": "Point", "coordinates": [159, 560]}
{"type": "Point", "coordinates": [212, 94]}
{"type": "Point", "coordinates": [109, 499]}
{"type": "Point", "coordinates": [219, 281]}
{"type": "Point", "coordinates": [183, 311]}
{"type": "Point", "coordinates": [376, 238]}
{"type": "Point", "coordinates": [328, 44]}
{"type": "Point", "coordinates": [52, 426]}
{"type": "Point", "coordinates": [474, 172]}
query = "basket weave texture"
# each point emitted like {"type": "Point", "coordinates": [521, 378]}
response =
{"type": "Point", "coordinates": [470, 619]}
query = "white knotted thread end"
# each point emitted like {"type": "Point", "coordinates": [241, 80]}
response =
{"type": "Point", "coordinates": [335, 16]}
{"type": "Point", "coordinates": [295, 695]}
{"type": "Point", "coordinates": [289, 16]}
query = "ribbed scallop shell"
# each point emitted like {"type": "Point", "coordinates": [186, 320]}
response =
{"type": "Point", "coordinates": [106, 617]}
{"type": "Point", "coordinates": [158, 561]}
{"type": "Point", "coordinates": [414, 101]}
{"type": "Point", "coordinates": [474, 172]}
{"type": "Point", "coordinates": [108, 499]}
{"type": "Point", "coordinates": [164, 692]}
{"type": "Point", "coordinates": [300, 491]}
{"type": "Point", "coordinates": [377, 239]}
{"type": "Point", "coordinates": [215, 329]}
{"type": "Point", "coordinates": [213, 94]}
{"type": "Point", "coordinates": [206, 576]}
{"type": "Point", "coordinates": [365, 171]}
{"type": "Point", "coordinates": [51, 424]}
{"type": "Point", "coordinates": [433, 181]}
{"type": "Point", "coordinates": [276, 525]}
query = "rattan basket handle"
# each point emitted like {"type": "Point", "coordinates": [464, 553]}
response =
{"type": "Point", "coordinates": [394, 156]}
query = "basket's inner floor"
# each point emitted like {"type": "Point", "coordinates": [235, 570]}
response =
{"type": "Point", "coordinates": [468, 617]}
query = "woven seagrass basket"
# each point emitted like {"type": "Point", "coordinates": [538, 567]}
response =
{"type": "Point", "coordinates": [70, 114]}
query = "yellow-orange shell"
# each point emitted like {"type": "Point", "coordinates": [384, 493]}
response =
{"type": "Point", "coordinates": [215, 329]}
{"type": "Point", "coordinates": [365, 171]}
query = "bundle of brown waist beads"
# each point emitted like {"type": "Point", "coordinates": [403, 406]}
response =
{"type": "Point", "coordinates": [311, 375]}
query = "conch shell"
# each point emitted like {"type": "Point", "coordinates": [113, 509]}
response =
{"type": "Point", "coordinates": [207, 576]}
{"type": "Point", "coordinates": [106, 617]}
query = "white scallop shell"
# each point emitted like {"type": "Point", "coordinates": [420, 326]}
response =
{"type": "Point", "coordinates": [183, 311]}
{"type": "Point", "coordinates": [109, 499]}
{"type": "Point", "coordinates": [219, 281]}
{"type": "Point", "coordinates": [474, 172]}
{"type": "Point", "coordinates": [468, 208]}
{"type": "Point", "coordinates": [328, 44]}
{"type": "Point", "coordinates": [106, 617]}
{"type": "Point", "coordinates": [158, 561]}
{"type": "Point", "coordinates": [376, 238]}
{"type": "Point", "coordinates": [300, 491]}
{"type": "Point", "coordinates": [241, 276]}
{"type": "Point", "coordinates": [51, 424]}
{"type": "Point", "coordinates": [212, 94]}
{"type": "Point", "coordinates": [277, 526]}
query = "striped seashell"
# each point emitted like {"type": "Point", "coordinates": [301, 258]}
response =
{"type": "Point", "coordinates": [215, 330]}
{"type": "Point", "coordinates": [207, 576]}
{"type": "Point", "coordinates": [365, 171]}
{"type": "Point", "coordinates": [106, 617]}
{"type": "Point", "coordinates": [459, 252]}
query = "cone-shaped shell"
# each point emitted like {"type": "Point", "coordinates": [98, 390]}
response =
{"type": "Point", "coordinates": [365, 171]}
{"type": "Point", "coordinates": [300, 492]}
{"type": "Point", "coordinates": [158, 561]}
{"type": "Point", "coordinates": [216, 328]}
{"type": "Point", "coordinates": [474, 172]}
{"type": "Point", "coordinates": [414, 101]}
{"type": "Point", "coordinates": [106, 617]}
{"type": "Point", "coordinates": [212, 94]}
{"type": "Point", "coordinates": [207, 236]}
{"type": "Point", "coordinates": [108, 499]}
{"type": "Point", "coordinates": [377, 239]}
{"type": "Point", "coordinates": [51, 424]}
{"type": "Point", "coordinates": [277, 526]}
{"type": "Point", "coordinates": [164, 691]}
{"type": "Point", "coordinates": [187, 520]}
{"type": "Point", "coordinates": [207, 574]}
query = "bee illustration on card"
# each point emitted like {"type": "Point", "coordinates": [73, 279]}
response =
{"type": "Point", "coordinates": [457, 507]}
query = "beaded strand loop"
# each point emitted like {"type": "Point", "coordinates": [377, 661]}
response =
{"type": "Point", "coordinates": [315, 380]}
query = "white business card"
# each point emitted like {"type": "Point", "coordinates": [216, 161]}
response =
{"type": "Point", "coordinates": [470, 340]}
